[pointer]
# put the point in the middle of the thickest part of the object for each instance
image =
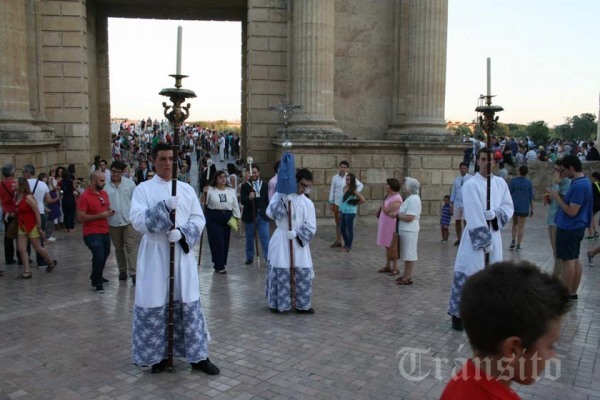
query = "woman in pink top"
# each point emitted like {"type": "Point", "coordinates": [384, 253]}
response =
{"type": "Point", "coordinates": [387, 222]}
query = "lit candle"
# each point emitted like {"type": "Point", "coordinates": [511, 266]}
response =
{"type": "Point", "coordinates": [179, 32]}
{"type": "Point", "coordinates": [489, 76]}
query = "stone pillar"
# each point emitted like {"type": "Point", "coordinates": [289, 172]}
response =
{"type": "Point", "coordinates": [15, 114]}
{"type": "Point", "coordinates": [418, 105]}
{"type": "Point", "coordinates": [313, 69]}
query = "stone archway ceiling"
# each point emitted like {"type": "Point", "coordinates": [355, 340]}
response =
{"type": "Point", "coordinates": [221, 10]}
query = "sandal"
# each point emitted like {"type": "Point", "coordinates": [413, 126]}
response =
{"type": "Point", "coordinates": [384, 270]}
{"type": "Point", "coordinates": [24, 275]}
{"type": "Point", "coordinates": [394, 272]}
{"type": "Point", "coordinates": [403, 281]}
{"type": "Point", "coordinates": [49, 268]}
{"type": "Point", "coordinates": [399, 279]}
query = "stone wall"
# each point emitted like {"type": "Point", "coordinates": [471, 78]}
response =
{"type": "Point", "coordinates": [373, 162]}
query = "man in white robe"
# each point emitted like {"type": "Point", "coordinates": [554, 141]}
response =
{"type": "Point", "coordinates": [303, 229]}
{"type": "Point", "coordinates": [150, 215]}
{"type": "Point", "coordinates": [478, 239]}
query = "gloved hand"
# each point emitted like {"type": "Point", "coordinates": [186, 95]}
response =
{"type": "Point", "coordinates": [488, 249]}
{"type": "Point", "coordinates": [489, 215]}
{"type": "Point", "coordinates": [291, 235]}
{"type": "Point", "coordinates": [174, 235]}
{"type": "Point", "coordinates": [172, 202]}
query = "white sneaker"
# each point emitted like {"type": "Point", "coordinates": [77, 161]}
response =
{"type": "Point", "coordinates": [51, 239]}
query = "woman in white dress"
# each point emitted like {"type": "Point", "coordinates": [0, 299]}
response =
{"type": "Point", "coordinates": [408, 229]}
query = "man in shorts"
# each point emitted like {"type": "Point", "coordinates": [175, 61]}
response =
{"type": "Point", "coordinates": [572, 218]}
{"type": "Point", "coordinates": [456, 200]}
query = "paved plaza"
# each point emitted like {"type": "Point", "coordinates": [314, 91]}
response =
{"type": "Point", "coordinates": [61, 340]}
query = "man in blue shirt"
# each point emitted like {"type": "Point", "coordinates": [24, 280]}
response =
{"type": "Point", "coordinates": [573, 216]}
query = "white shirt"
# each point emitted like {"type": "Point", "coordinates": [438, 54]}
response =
{"type": "Point", "coordinates": [337, 188]}
{"type": "Point", "coordinates": [225, 199]}
{"type": "Point", "coordinates": [411, 206]}
{"type": "Point", "coordinates": [120, 201]}
{"type": "Point", "coordinates": [456, 197]}
{"type": "Point", "coordinates": [40, 192]}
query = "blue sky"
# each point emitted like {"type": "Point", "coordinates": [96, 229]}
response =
{"type": "Point", "coordinates": [545, 58]}
{"type": "Point", "coordinates": [544, 55]}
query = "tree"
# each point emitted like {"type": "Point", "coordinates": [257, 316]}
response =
{"type": "Point", "coordinates": [462, 130]}
{"type": "Point", "coordinates": [538, 132]}
{"type": "Point", "coordinates": [583, 126]}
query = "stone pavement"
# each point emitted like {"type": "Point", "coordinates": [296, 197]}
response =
{"type": "Point", "coordinates": [61, 340]}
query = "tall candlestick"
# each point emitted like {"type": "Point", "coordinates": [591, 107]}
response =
{"type": "Point", "coordinates": [179, 32]}
{"type": "Point", "coordinates": [489, 77]}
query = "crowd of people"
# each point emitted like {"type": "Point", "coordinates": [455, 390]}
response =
{"type": "Point", "coordinates": [130, 204]}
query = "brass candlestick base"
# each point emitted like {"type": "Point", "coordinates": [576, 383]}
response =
{"type": "Point", "coordinates": [178, 114]}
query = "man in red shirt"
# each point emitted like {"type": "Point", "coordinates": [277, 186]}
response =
{"type": "Point", "coordinates": [93, 210]}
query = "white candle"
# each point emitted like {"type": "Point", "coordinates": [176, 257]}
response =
{"type": "Point", "coordinates": [179, 32]}
{"type": "Point", "coordinates": [489, 76]}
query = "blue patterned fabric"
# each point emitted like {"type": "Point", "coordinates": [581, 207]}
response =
{"type": "Point", "coordinates": [279, 209]}
{"type": "Point", "coordinates": [481, 237]}
{"type": "Point", "coordinates": [150, 333]}
{"type": "Point", "coordinates": [278, 289]}
{"type": "Point", "coordinates": [305, 234]}
{"type": "Point", "coordinates": [456, 293]}
{"type": "Point", "coordinates": [191, 233]}
{"type": "Point", "coordinates": [502, 218]}
{"type": "Point", "coordinates": [158, 218]}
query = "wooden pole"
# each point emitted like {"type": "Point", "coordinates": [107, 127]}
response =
{"type": "Point", "coordinates": [292, 268]}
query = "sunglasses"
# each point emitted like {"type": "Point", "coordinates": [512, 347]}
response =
{"type": "Point", "coordinates": [101, 200]}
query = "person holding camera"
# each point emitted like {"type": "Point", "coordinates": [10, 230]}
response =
{"type": "Point", "coordinates": [349, 202]}
{"type": "Point", "coordinates": [93, 210]}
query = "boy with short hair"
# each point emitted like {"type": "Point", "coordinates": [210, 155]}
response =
{"type": "Point", "coordinates": [512, 314]}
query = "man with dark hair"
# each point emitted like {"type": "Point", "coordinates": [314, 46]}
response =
{"type": "Point", "coordinates": [254, 196]}
{"type": "Point", "coordinates": [592, 154]}
{"type": "Point", "coordinates": [151, 210]}
{"type": "Point", "coordinates": [512, 314]}
{"type": "Point", "coordinates": [142, 173]}
{"type": "Point", "coordinates": [122, 235]}
{"type": "Point", "coordinates": [573, 216]}
{"type": "Point", "coordinates": [456, 200]}
{"type": "Point", "coordinates": [482, 234]}
{"type": "Point", "coordinates": [338, 182]}
{"type": "Point", "coordinates": [303, 229]}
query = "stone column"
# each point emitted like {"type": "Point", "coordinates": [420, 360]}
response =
{"type": "Point", "coordinates": [418, 108]}
{"type": "Point", "coordinates": [313, 69]}
{"type": "Point", "coordinates": [15, 114]}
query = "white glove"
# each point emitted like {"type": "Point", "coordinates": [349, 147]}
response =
{"type": "Point", "coordinates": [489, 215]}
{"type": "Point", "coordinates": [291, 235]}
{"type": "Point", "coordinates": [174, 235]}
{"type": "Point", "coordinates": [172, 202]}
{"type": "Point", "coordinates": [488, 249]}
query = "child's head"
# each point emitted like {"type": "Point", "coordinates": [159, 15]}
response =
{"type": "Point", "coordinates": [446, 199]}
{"type": "Point", "coordinates": [512, 311]}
